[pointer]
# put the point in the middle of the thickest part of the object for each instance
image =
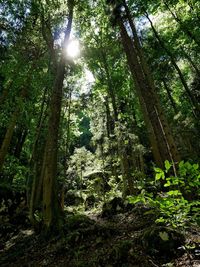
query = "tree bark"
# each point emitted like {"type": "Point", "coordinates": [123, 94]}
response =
{"type": "Point", "coordinates": [110, 85]}
{"type": "Point", "coordinates": [34, 183]}
{"type": "Point", "coordinates": [168, 91]}
{"type": "Point", "coordinates": [20, 142]}
{"type": "Point", "coordinates": [49, 172]}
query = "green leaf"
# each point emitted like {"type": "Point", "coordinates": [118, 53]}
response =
{"type": "Point", "coordinates": [158, 176]}
{"type": "Point", "coordinates": [167, 165]}
{"type": "Point", "coordinates": [167, 184]}
{"type": "Point", "coordinates": [196, 166]}
{"type": "Point", "coordinates": [174, 193]}
{"type": "Point", "coordinates": [164, 236]}
{"type": "Point", "coordinates": [160, 220]}
{"type": "Point", "coordinates": [158, 170]}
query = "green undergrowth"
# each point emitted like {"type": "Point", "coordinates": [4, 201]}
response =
{"type": "Point", "coordinates": [178, 202]}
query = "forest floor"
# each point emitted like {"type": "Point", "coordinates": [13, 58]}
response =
{"type": "Point", "coordinates": [124, 239]}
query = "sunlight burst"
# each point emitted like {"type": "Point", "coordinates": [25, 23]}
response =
{"type": "Point", "coordinates": [73, 49]}
{"type": "Point", "coordinates": [89, 76]}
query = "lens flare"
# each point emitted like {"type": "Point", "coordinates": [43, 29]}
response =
{"type": "Point", "coordinates": [73, 49]}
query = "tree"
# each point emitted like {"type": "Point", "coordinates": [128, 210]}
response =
{"type": "Point", "coordinates": [49, 169]}
{"type": "Point", "coordinates": [162, 143]}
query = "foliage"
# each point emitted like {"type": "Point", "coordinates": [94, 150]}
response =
{"type": "Point", "coordinates": [174, 208]}
{"type": "Point", "coordinates": [103, 144]}
{"type": "Point", "coordinates": [15, 173]}
{"type": "Point", "coordinates": [188, 180]}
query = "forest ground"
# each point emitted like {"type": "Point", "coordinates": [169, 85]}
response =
{"type": "Point", "coordinates": [125, 238]}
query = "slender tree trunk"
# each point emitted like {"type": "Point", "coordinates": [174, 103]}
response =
{"type": "Point", "coordinates": [153, 141]}
{"type": "Point", "coordinates": [110, 85]}
{"type": "Point", "coordinates": [68, 128]}
{"type": "Point", "coordinates": [34, 183]}
{"type": "Point", "coordinates": [109, 121]}
{"type": "Point", "coordinates": [20, 142]}
{"type": "Point", "coordinates": [147, 78]}
{"type": "Point", "coordinates": [168, 91]}
{"type": "Point", "coordinates": [126, 161]}
{"type": "Point", "coordinates": [190, 60]}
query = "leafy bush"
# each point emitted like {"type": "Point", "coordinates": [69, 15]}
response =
{"type": "Point", "coordinates": [179, 204]}
{"type": "Point", "coordinates": [187, 180]}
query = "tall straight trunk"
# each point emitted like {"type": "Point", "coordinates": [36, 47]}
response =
{"type": "Point", "coordinates": [190, 60]}
{"type": "Point", "coordinates": [67, 147]}
{"type": "Point", "coordinates": [131, 161]}
{"type": "Point", "coordinates": [34, 183]}
{"type": "Point", "coordinates": [192, 99]}
{"type": "Point", "coordinates": [137, 79]}
{"type": "Point", "coordinates": [110, 85]}
{"type": "Point", "coordinates": [162, 143]}
{"type": "Point", "coordinates": [160, 121]}
{"type": "Point", "coordinates": [20, 142]}
{"type": "Point", "coordinates": [109, 120]}
{"type": "Point", "coordinates": [169, 93]}
{"type": "Point", "coordinates": [49, 172]}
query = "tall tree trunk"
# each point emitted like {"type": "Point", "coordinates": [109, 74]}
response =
{"type": "Point", "coordinates": [162, 143]}
{"type": "Point", "coordinates": [168, 91]}
{"type": "Point", "coordinates": [67, 146]}
{"type": "Point", "coordinates": [190, 60]}
{"type": "Point", "coordinates": [162, 125]}
{"type": "Point", "coordinates": [49, 172]}
{"type": "Point", "coordinates": [110, 85]}
{"type": "Point", "coordinates": [20, 142]}
{"type": "Point", "coordinates": [109, 120]}
{"type": "Point", "coordinates": [34, 183]}
{"type": "Point", "coordinates": [153, 141]}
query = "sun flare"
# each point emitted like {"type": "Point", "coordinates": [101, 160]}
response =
{"type": "Point", "coordinates": [73, 49]}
